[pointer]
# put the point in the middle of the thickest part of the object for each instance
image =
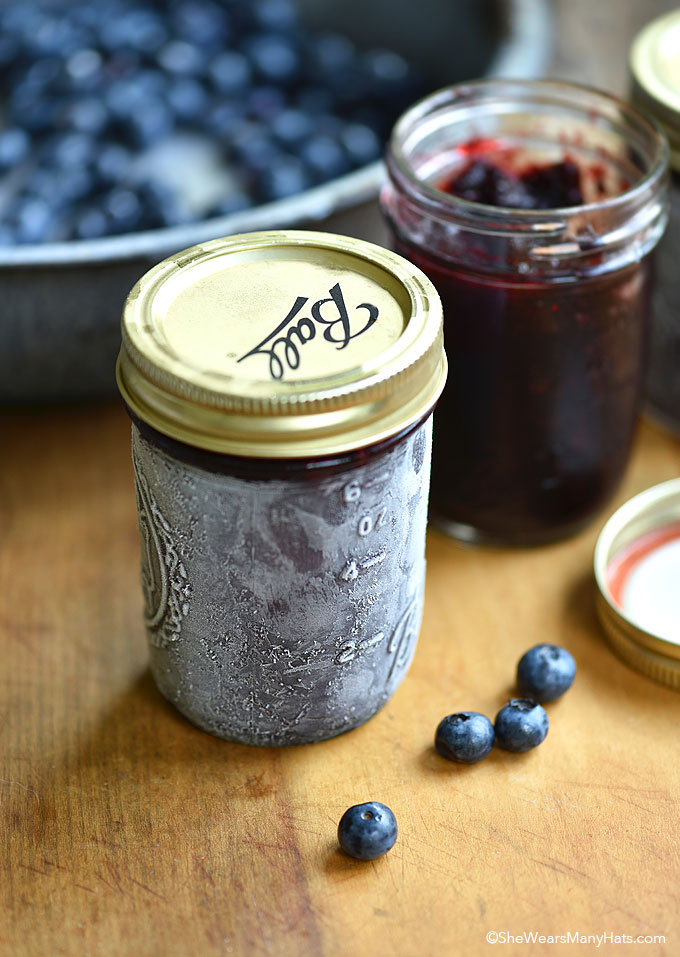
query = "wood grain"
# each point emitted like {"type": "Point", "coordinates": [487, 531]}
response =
{"type": "Point", "coordinates": [126, 830]}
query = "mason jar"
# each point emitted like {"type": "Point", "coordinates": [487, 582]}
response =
{"type": "Point", "coordinates": [281, 388]}
{"type": "Point", "coordinates": [545, 310]}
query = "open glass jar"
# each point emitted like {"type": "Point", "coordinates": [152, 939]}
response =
{"type": "Point", "coordinates": [545, 310]}
{"type": "Point", "coordinates": [281, 387]}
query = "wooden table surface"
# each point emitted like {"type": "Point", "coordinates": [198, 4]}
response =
{"type": "Point", "coordinates": [125, 831]}
{"type": "Point", "coordinates": [128, 831]}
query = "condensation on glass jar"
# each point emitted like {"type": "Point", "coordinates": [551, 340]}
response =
{"type": "Point", "coordinates": [655, 88]}
{"type": "Point", "coordinates": [281, 387]}
{"type": "Point", "coordinates": [545, 311]}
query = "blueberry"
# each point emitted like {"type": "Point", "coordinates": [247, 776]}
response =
{"type": "Point", "coordinates": [123, 210]}
{"type": "Point", "coordinates": [43, 73]}
{"type": "Point", "coordinates": [61, 186]}
{"type": "Point", "coordinates": [68, 149]}
{"type": "Point", "coordinates": [274, 58]}
{"type": "Point", "coordinates": [56, 35]}
{"type": "Point", "coordinates": [201, 22]}
{"type": "Point", "coordinates": [188, 99]}
{"type": "Point", "coordinates": [291, 127]}
{"type": "Point", "coordinates": [87, 114]}
{"type": "Point", "coordinates": [325, 157]}
{"type": "Point", "coordinates": [160, 205]}
{"type": "Point", "coordinates": [151, 123]}
{"type": "Point", "coordinates": [521, 725]}
{"type": "Point", "coordinates": [141, 30]}
{"type": "Point", "coordinates": [361, 143]}
{"type": "Point", "coordinates": [126, 96]}
{"type": "Point", "coordinates": [84, 69]}
{"type": "Point", "coordinates": [285, 176]}
{"type": "Point", "coordinates": [15, 146]}
{"type": "Point", "coordinates": [181, 58]}
{"type": "Point", "coordinates": [253, 146]}
{"type": "Point", "coordinates": [113, 163]}
{"type": "Point", "coordinates": [391, 78]}
{"type": "Point", "coordinates": [33, 220]}
{"type": "Point", "coordinates": [545, 672]}
{"type": "Point", "coordinates": [9, 54]}
{"type": "Point", "coordinates": [7, 235]}
{"type": "Point", "coordinates": [466, 737]}
{"type": "Point", "coordinates": [222, 120]}
{"type": "Point", "coordinates": [386, 68]}
{"type": "Point", "coordinates": [275, 15]}
{"type": "Point", "coordinates": [367, 831]}
{"type": "Point", "coordinates": [91, 223]}
{"type": "Point", "coordinates": [31, 109]}
{"type": "Point", "coordinates": [230, 73]}
{"type": "Point", "coordinates": [265, 102]}
{"type": "Point", "coordinates": [331, 54]}
{"type": "Point", "coordinates": [122, 64]}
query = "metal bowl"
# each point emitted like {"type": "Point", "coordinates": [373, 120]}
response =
{"type": "Point", "coordinates": [59, 334]}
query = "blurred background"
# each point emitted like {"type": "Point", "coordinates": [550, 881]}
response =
{"type": "Point", "coordinates": [135, 129]}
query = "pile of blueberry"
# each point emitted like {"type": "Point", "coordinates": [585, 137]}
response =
{"type": "Point", "coordinates": [544, 673]}
{"type": "Point", "coordinates": [90, 89]}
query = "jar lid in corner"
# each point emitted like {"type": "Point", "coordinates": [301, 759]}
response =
{"type": "Point", "coordinates": [637, 569]}
{"type": "Point", "coordinates": [282, 344]}
{"type": "Point", "coordinates": [655, 69]}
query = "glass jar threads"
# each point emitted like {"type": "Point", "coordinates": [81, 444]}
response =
{"type": "Point", "coordinates": [545, 301]}
{"type": "Point", "coordinates": [281, 387]}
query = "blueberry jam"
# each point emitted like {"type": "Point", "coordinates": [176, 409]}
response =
{"type": "Point", "coordinates": [549, 186]}
{"type": "Point", "coordinates": [545, 290]}
{"type": "Point", "coordinates": [120, 116]}
{"type": "Point", "coordinates": [535, 426]}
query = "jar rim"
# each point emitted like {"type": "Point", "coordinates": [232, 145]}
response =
{"type": "Point", "coordinates": [531, 220]}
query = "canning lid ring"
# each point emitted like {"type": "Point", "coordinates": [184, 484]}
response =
{"type": "Point", "coordinates": [645, 650]}
{"type": "Point", "coordinates": [352, 398]}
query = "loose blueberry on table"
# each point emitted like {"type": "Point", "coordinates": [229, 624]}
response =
{"type": "Point", "coordinates": [466, 737]}
{"type": "Point", "coordinates": [545, 672]}
{"type": "Point", "coordinates": [367, 831]}
{"type": "Point", "coordinates": [91, 89]}
{"type": "Point", "coordinates": [521, 725]}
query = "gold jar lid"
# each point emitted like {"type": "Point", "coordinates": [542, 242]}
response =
{"type": "Point", "coordinates": [282, 344]}
{"type": "Point", "coordinates": [637, 563]}
{"type": "Point", "coordinates": [655, 69]}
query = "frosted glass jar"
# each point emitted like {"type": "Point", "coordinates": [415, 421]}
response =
{"type": "Point", "coordinates": [281, 387]}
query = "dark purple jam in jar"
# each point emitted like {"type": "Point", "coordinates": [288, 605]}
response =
{"type": "Point", "coordinates": [546, 301]}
